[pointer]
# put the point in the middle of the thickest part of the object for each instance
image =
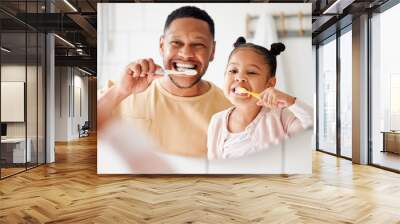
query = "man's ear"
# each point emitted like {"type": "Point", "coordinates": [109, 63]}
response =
{"type": "Point", "coordinates": [213, 51]}
{"type": "Point", "coordinates": [271, 82]}
{"type": "Point", "coordinates": [162, 45]}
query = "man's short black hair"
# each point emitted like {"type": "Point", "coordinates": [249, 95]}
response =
{"type": "Point", "coordinates": [190, 12]}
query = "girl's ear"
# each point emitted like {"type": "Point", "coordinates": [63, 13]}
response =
{"type": "Point", "coordinates": [271, 82]}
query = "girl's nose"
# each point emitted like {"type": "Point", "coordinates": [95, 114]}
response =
{"type": "Point", "coordinates": [240, 78]}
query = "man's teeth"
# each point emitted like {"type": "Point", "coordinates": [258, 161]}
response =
{"type": "Point", "coordinates": [184, 66]}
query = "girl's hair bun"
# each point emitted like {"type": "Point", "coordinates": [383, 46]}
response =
{"type": "Point", "coordinates": [277, 48]}
{"type": "Point", "coordinates": [239, 41]}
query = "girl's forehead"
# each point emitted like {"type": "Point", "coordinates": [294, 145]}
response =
{"type": "Point", "coordinates": [247, 54]}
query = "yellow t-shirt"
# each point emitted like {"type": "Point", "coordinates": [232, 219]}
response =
{"type": "Point", "coordinates": [178, 124]}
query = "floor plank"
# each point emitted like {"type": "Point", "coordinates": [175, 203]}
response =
{"type": "Point", "coordinates": [70, 191]}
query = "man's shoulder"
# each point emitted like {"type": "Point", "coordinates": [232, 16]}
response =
{"type": "Point", "coordinates": [219, 97]}
{"type": "Point", "coordinates": [139, 101]}
{"type": "Point", "coordinates": [215, 88]}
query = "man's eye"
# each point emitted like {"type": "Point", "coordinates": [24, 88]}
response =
{"type": "Point", "coordinates": [174, 43]}
{"type": "Point", "coordinates": [199, 45]}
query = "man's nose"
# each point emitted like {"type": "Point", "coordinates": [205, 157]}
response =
{"type": "Point", "coordinates": [186, 52]}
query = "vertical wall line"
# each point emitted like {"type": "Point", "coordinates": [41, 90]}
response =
{"type": "Point", "coordinates": [338, 98]}
{"type": "Point", "coordinates": [317, 96]}
{"type": "Point", "coordinates": [369, 86]}
{"type": "Point", "coordinates": [0, 93]}
{"type": "Point", "coordinates": [26, 87]}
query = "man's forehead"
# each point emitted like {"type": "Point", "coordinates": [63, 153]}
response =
{"type": "Point", "coordinates": [184, 26]}
{"type": "Point", "coordinates": [193, 36]}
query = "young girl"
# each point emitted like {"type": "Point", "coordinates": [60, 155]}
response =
{"type": "Point", "coordinates": [254, 123]}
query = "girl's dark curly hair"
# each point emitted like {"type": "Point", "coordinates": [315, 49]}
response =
{"type": "Point", "coordinates": [268, 55]}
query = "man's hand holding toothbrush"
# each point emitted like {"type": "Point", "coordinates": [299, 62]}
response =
{"type": "Point", "coordinates": [138, 76]}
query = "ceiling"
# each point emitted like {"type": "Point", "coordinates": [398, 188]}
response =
{"type": "Point", "coordinates": [76, 22]}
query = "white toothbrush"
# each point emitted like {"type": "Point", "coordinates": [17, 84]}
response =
{"type": "Point", "coordinates": [188, 72]}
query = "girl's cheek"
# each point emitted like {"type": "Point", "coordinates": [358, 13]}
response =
{"type": "Point", "coordinates": [259, 86]}
{"type": "Point", "coordinates": [227, 87]}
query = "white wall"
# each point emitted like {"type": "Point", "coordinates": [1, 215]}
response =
{"type": "Point", "coordinates": [61, 103]}
{"type": "Point", "coordinates": [80, 102]}
{"type": "Point", "coordinates": [67, 115]}
{"type": "Point", "coordinates": [298, 65]}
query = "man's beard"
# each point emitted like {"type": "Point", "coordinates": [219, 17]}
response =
{"type": "Point", "coordinates": [185, 87]}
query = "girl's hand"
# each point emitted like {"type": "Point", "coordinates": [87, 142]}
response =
{"type": "Point", "coordinates": [274, 98]}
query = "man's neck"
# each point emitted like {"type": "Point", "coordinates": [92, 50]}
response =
{"type": "Point", "coordinates": [198, 89]}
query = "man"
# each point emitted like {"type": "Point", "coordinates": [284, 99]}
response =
{"type": "Point", "coordinates": [175, 110]}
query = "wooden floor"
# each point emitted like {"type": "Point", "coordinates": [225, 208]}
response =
{"type": "Point", "coordinates": [387, 159]}
{"type": "Point", "coordinates": [70, 191]}
{"type": "Point", "coordinates": [10, 171]}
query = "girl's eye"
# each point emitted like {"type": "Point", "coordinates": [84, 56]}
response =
{"type": "Point", "coordinates": [232, 71]}
{"type": "Point", "coordinates": [252, 73]}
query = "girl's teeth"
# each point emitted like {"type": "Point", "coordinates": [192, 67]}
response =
{"type": "Point", "coordinates": [235, 90]}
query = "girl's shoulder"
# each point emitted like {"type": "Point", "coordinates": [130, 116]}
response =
{"type": "Point", "coordinates": [222, 114]}
{"type": "Point", "coordinates": [219, 118]}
